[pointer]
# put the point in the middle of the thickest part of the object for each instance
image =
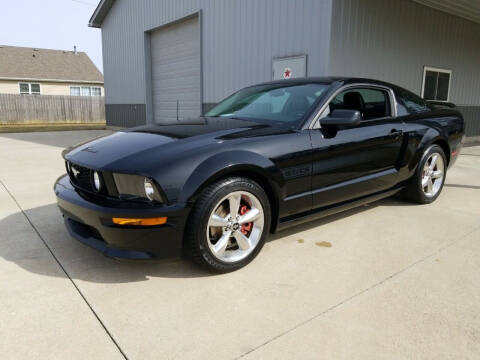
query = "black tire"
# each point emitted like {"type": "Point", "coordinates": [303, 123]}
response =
{"type": "Point", "coordinates": [196, 246]}
{"type": "Point", "coordinates": [414, 191]}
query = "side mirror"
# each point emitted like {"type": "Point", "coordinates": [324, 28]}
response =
{"type": "Point", "coordinates": [342, 118]}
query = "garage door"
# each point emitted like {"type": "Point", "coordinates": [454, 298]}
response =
{"type": "Point", "coordinates": [176, 71]}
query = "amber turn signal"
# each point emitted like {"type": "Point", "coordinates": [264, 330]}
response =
{"type": "Point", "coordinates": [140, 222]}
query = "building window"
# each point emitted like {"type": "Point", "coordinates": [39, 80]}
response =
{"type": "Point", "coordinates": [74, 90]}
{"type": "Point", "coordinates": [85, 91]}
{"type": "Point", "coordinates": [96, 91]}
{"type": "Point", "coordinates": [28, 88]}
{"type": "Point", "coordinates": [436, 84]}
{"type": "Point", "coordinates": [24, 88]}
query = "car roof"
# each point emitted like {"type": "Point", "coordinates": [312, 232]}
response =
{"type": "Point", "coordinates": [330, 80]}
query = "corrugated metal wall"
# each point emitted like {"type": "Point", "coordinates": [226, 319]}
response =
{"type": "Point", "coordinates": [393, 40]}
{"type": "Point", "coordinates": [390, 40]}
{"type": "Point", "coordinates": [240, 39]}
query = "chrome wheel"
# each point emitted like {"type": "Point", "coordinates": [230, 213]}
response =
{"type": "Point", "coordinates": [235, 226]}
{"type": "Point", "coordinates": [433, 175]}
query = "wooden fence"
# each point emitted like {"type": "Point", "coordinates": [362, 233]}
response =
{"type": "Point", "coordinates": [48, 109]}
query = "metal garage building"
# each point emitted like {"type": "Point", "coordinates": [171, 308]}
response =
{"type": "Point", "coordinates": [171, 59]}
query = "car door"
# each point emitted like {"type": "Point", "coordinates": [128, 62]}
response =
{"type": "Point", "coordinates": [291, 153]}
{"type": "Point", "coordinates": [350, 163]}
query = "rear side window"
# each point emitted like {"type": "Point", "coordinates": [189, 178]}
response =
{"type": "Point", "coordinates": [409, 103]}
{"type": "Point", "coordinates": [372, 103]}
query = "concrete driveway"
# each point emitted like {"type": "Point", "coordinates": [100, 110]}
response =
{"type": "Point", "coordinates": [390, 280]}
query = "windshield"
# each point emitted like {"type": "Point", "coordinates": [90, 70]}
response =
{"type": "Point", "coordinates": [272, 104]}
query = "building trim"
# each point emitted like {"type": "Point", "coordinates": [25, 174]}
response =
{"type": "Point", "coordinates": [148, 78]}
{"type": "Point", "coordinates": [200, 40]}
{"type": "Point", "coordinates": [449, 7]}
{"type": "Point", "coordinates": [125, 115]}
{"type": "Point", "coordinates": [100, 13]}
{"type": "Point", "coordinates": [52, 80]}
{"type": "Point", "coordinates": [465, 9]}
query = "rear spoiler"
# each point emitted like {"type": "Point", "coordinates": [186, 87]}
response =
{"type": "Point", "coordinates": [441, 103]}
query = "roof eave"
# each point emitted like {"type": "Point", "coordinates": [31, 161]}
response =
{"type": "Point", "coordinates": [466, 9]}
{"type": "Point", "coordinates": [73, 81]}
{"type": "Point", "coordinates": [100, 13]}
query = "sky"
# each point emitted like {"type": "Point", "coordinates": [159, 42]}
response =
{"type": "Point", "coordinates": [51, 24]}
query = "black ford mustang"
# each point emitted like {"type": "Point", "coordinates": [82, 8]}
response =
{"type": "Point", "coordinates": [267, 157]}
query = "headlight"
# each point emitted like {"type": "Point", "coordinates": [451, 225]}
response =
{"type": "Point", "coordinates": [135, 186]}
{"type": "Point", "coordinates": [97, 184]}
{"type": "Point", "coordinates": [149, 189]}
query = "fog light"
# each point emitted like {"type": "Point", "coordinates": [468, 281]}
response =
{"type": "Point", "coordinates": [140, 222]}
{"type": "Point", "coordinates": [97, 184]}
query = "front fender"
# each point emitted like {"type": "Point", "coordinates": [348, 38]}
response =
{"type": "Point", "coordinates": [220, 165]}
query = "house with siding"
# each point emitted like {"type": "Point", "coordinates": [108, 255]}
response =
{"type": "Point", "coordinates": [32, 71]}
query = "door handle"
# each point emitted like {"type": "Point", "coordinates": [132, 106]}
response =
{"type": "Point", "coordinates": [395, 134]}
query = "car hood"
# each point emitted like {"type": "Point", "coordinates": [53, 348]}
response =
{"type": "Point", "coordinates": [138, 149]}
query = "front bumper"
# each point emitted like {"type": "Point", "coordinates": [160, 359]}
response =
{"type": "Point", "coordinates": [90, 222]}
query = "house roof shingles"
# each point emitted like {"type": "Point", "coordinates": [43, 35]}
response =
{"type": "Point", "coordinates": [20, 63]}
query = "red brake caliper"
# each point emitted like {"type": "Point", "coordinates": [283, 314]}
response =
{"type": "Point", "coordinates": [246, 228]}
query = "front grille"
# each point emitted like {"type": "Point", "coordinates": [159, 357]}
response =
{"type": "Point", "coordinates": [80, 176]}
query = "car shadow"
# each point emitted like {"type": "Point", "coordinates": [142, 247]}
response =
{"type": "Point", "coordinates": [473, 187]}
{"type": "Point", "coordinates": [28, 251]}
{"type": "Point", "coordinates": [391, 201]}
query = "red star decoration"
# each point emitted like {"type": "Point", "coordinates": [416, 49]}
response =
{"type": "Point", "coordinates": [287, 73]}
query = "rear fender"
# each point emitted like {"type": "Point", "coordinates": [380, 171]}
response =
{"type": "Point", "coordinates": [430, 137]}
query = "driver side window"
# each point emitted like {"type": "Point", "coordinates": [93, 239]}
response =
{"type": "Point", "coordinates": [371, 102]}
